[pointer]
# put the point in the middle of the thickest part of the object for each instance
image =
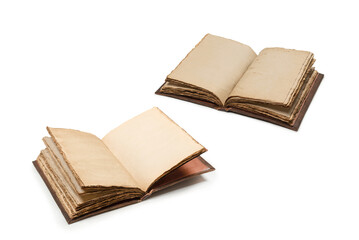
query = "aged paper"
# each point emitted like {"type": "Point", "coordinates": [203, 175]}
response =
{"type": "Point", "coordinates": [182, 90]}
{"type": "Point", "coordinates": [149, 145]}
{"type": "Point", "coordinates": [92, 162]}
{"type": "Point", "coordinates": [73, 203]}
{"type": "Point", "coordinates": [273, 77]}
{"type": "Point", "coordinates": [285, 114]}
{"type": "Point", "coordinates": [216, 64]}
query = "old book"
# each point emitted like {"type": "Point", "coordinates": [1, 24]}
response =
{"type": "Point", "coordinates": [276, 85]}
{"type": "Point", "coordinates": [87, 175]}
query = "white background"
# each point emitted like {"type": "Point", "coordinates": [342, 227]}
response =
{"type": "Point", "coordinates": [91, 65]}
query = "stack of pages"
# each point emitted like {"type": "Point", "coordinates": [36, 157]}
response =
{"type": "Point", "coordinates": [276, 85]}
{"type": "Point", "coordinates": [88, 175]}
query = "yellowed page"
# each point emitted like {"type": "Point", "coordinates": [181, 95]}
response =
{"type": "Point", "coordinates": [174, 88]}
{"type": "Point", "coordinates": [75, 204]}
{"type": "Point", "coordinates": [91, 162]}
{"type": "Point", "coordinates": [216, 64]}
{"type": "Point", "coordinates": [286, 114]}
{"type": "Point", "coordinates": [62, 165]}
{"type": "Point", "coordinates": [150, 144]}
{"type": "Point", "coordinates": [60, 193]}
{"type": "Point", "coordinates": [273, 77]}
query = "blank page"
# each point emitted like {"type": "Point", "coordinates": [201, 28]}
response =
{"type": "Point", "coordinates": [151, 144]}
{"type": "Point", "coordinates": [215, 64]}
{"type": "Point", "coordinates": [274, 76]}
{"type": "Point", "coordinates": [91, 162]}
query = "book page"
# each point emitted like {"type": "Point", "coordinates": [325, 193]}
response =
{"type": "Point", "coordinates": [91, 162]}
{"type": "Point", "coordinates": [273, 77]}
{"type": "Point", "coordinates": [285, 114]}
{"type": "Point", "coordinates": [75, 204]}
{"type": "Point", "coordinates": [151, 144]}
{"type": "Point", "coordinates": [216, 64]}
{"type": "Point", "coordinates": [66, 171]}
{"type": "Point", "coordinates": [177, 89]}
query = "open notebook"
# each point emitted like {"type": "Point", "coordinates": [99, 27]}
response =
{"type": "Point", "coordinates": [88, 175]}
{"type": "Point", "coordinates": [276, 85]}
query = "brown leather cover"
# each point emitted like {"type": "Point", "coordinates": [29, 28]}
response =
{"type": "Point", "coordinates": [295, 126]}
{"type": "Point", "coordinates": [192, 168]}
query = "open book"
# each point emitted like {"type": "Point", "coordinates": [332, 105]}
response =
{"type": "Point", "coordinates": [276, 85]}
{"type": "Point", "coordinates": [88, 175]}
